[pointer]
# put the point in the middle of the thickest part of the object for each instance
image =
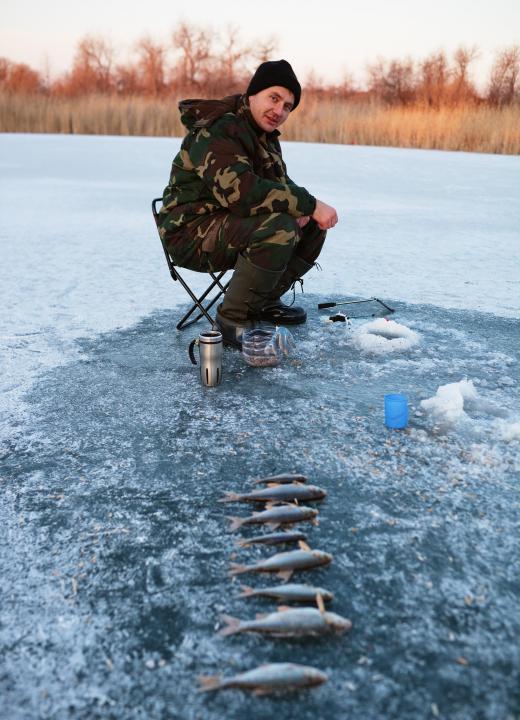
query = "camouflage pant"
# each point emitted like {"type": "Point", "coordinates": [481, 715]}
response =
{"type": "Point", "coordinates": [269, 241]}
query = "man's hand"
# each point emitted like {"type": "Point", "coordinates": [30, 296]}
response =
{"type": "Point", "coordinates": [302, 221]}
{"type": "Point", "coordinates": [325, 215]}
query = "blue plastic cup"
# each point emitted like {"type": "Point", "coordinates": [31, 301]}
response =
{"type": "Point", "coordinates": [396, 411]}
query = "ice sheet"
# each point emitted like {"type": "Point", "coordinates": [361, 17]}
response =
{"type": "Point", "coordinates": [115, 550]}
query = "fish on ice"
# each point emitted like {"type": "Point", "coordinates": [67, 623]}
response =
{"type": "Point", "coordinates": [285, 563]}
{"type": "Point", "coordinates": [289, 622]}
{"type": "Point", "coordinates": [274, 516]}
{"type": "Point", "coordinates": [281, 479]}
{"type": "Point", "coordinates": [275, 538]}
{"type": "Point", "coordinates": [288, 592]}
{"type": "Point", "coordinates": [278, 493]}
{"type": "Point", "coordinates": [266, 679]}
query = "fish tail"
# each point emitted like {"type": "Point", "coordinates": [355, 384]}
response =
{"type": "Point", "coordinates": [246, 591]}
{"type": "Point", "coordinates": [230, 497]}
{"type": "Point", "coordinates": [237, 569]}
{"type": "Point", "coordinates": [209, 682]}
{"type": "Point", "coordinates": [236, 522]}
{"type": "Point", "coordinates": [232, 626]}
{"type": "Point", "coordinates": [242, 543]}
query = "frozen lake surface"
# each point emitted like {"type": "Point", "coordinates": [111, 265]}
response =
{"type": "Point", "coordinates": [115, 550]}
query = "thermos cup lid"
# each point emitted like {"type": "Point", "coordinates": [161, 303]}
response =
{"type": "Point", "coordinates": [210, 336]}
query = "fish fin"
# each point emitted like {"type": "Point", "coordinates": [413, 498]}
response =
{"type": "Point", "coordinates": [320, 603]}
{"type": "Point", "coordinates": [315, 521]}
{"type": "Point", "coordinates": [232, 625]}
{"type": "Point", "coordinates": [230, 497]}
{"type": "Point", "coordinates": [285, 574]}
{"type": "Point", "coordinates": [269, 505]}
{"type": "Point", "coordinates": [262, 691]}
{"type": "Point", "coordinates": [303, 546]}
{"type": "Point", "coordinates": [283, 608]}
{"type": "Point", "coordinates": [273, 525]}
{"type": "Point", "coordinates": [247, 591]}
{"type": "Point", "coordinates": [209, 682]}
{"type": "Point", "coordinates": [236, 522]}
{"type": "Point", "coordinates": [241, 543]}
{"type": "Point", "coordinates": [273, 484]}
{"type": "Point", "coordinates": [237, 569]}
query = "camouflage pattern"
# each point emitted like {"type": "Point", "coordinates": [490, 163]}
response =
{"type": "Point", "coordinates": [229, 191]}
{"type": "Point", "coordinates": [268, 241]}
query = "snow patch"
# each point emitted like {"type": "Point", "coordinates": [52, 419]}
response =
{"type": "Point", "coordinates": [508, 431]}
{"type": "Point", "coordinates": [383, 336]}
{"type": "Point", "coordinates": [448, 403]}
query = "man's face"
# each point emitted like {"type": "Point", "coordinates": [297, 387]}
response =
{"type": "Point", "coordinates": [271, 107]}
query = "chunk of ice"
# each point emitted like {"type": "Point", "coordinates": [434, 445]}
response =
{"type": "Point", "coordinates": [448, 403]}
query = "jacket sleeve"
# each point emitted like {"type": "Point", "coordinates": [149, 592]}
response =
{"type": "Point", "coordinates": [220, 160]}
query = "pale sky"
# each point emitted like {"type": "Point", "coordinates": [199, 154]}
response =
{"type": "Point", "coordinates": [330, 37]}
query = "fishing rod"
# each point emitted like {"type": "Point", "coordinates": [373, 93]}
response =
{"type": "Point", "coordinates": [322, 306]}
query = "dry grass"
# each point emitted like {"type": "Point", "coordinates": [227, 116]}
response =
{"type": "Point", "coordinates": [471, 128]}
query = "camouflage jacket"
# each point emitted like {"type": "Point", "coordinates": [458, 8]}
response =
{"type": "Point", "coordinates": [227, 162]}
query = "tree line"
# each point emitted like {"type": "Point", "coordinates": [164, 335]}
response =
{"type": "Point", "coordinates": [201, 62]}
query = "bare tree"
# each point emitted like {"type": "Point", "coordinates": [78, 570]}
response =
{"type": "Point", "coordinates": [19, 78]}
{"type": "Point", "coordinates": [151, 66]}
{"type": "Point", "coordinates": [231, 58]}
{"type": "Point", "coordinates": [392, 81]}
{"type": "Point", "coordinates": [504, 82]}
{"type": "Point", "coordinates": [92, 68]}
{"type": "Point", "coordinates": [265, 49]}
{"type": "Point", "coordinates": [196, 48]}
{"type": "Point", "coordinates": [463, 90]}
{"type": "Point", "coordinates": [433, 80]}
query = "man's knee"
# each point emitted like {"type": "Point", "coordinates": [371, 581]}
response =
{"type": "Point", "coordinates": [273, 241]}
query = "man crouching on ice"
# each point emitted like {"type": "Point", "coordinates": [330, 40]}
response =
{"type": "Point", "coordinates": [231, 204]}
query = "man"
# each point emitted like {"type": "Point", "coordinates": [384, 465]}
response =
{"type": "Point", "coordinates": [231, 204]}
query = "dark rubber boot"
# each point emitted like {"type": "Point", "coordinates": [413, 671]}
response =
{"type": "Point", "coordinates": [247, 292]}
{"type": "Point", "coordinates": [275, 310]}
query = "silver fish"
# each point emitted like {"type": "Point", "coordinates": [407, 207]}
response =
{"type": "Point", "coordinates": [281, 479]}
{"type": "Point", "coordinates": [273, 517]}
{"type": "Point", "coordinates": [278, 493]}
{"type": "Point", "coordinates": [285, 563]}
{"type": "Point", "coordinates": [290, 592]}
{"type": "Point", "coordinates": [265, 679]}
{"type": "Point", "coordinates": [289, 622]}
{"type": "Point", "coordinates": [275, 538]}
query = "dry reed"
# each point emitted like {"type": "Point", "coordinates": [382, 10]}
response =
{"type": "Point", "coordinates": [467, 128]}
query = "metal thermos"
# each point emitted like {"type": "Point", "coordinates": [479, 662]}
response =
{"type": "Point", "coordinates": [210, 357]}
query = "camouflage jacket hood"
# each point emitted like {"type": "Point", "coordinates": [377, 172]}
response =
{"type": "Point", "coordinates": [203, 113]}
{"type": "Point", "coordinates": [227, 161]}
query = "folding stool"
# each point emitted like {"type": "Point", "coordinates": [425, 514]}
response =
{"type": "Point", "coordinates": [198, 302]}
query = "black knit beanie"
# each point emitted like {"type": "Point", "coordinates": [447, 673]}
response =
{"type": "Point", "coordinates": [275, 72]}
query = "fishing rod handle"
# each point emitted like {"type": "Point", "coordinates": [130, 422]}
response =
{"type": "Point", "coordinates": [322, 306]}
